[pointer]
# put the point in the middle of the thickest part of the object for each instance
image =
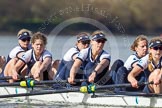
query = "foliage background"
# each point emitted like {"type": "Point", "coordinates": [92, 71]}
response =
{"type": "Point", "coordinates": [137, 16]}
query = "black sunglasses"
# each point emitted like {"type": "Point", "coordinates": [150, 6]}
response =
{"type": "Point", "coordinates": [157, 48]}
{"type": "Point", "coordinates": [85, 42]}
{"type": "Point", "coordinates": [26, 39]}
{"type": "Point", "coordinates": [100, 41]}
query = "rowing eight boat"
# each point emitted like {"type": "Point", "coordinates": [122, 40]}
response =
{"type": "Point", "coordinates": [101, 99]}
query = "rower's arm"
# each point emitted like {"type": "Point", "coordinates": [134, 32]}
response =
{"type": "Point", "coordinates": [135, 72]}
{"type": "Point", "coordinates": [101, 66]}
{"type": "Point", "coordinates": [16, 69]}
{"type": "Point", "coordinates": [74, 70]}
{"type": "Point", "coordinates": [19, 65]}
{"type": "Point", "coordinates": [46, 62]}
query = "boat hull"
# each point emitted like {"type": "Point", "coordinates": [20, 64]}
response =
{"type": "Point", "coordinates": [81, 98]}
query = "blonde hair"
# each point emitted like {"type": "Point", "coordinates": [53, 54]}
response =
{"type": "Point", "coordinates": [150, 67]}
{"type": "Point", "coordinates": [150, 60]}
{"type": "Point", "coordinates": [137, 40]}
{"type": "Point", "coordinates": [24, 30]}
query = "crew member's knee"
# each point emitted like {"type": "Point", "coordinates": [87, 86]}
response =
{"type": "Point", "coordinates": [117, 64]}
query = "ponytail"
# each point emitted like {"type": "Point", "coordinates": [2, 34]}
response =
{"type": "Point", "coordinates": [150, 67]}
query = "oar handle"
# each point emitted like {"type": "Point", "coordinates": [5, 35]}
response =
{"type": "Point", "coordinates": [80, 80]}
{"type": "Point", "coordinates": [145, 83]}
{"type": "Point", "coordinates": [10, 77]}
{"type": "Point", "coordinates": [6, 78]}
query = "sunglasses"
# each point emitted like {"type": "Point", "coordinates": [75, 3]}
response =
{"type": "Point", "coordinates": [157, 48]}
{"type": "Point", "coordinates": [85, 42]}
{"type": "Point", "coordinates": [100, 41]}
{"type": "Point", "coordinates": [26, 39]}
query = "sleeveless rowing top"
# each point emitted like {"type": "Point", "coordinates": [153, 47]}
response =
{"type": "Point", "coordinates": [66, 64]}
{"type": "Point", "coordinates": [15, 51]}
{"type": "Point", "coordinates": [130, 61]}
{"type": "Point", "coordinates": [30, 59]}
{"type": "Point", "coordinates": [89, 64]}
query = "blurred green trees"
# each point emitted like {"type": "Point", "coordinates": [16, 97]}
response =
{"type": "Point", "coordinates": [134, 15]}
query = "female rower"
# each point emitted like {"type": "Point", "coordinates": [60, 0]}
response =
{"type": "Point", "coordinates": [83, 42]}
{"type": "Point", "coordinates": [140, 47]}
{"type": "Point", "coordinates": [38, 59]}
{"type": "Point", "coordinates": [24, 37]}
{"type": "Point", "coordinates": [152, 62]}
{"type": "Point", "coordinates": [95, 61]}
